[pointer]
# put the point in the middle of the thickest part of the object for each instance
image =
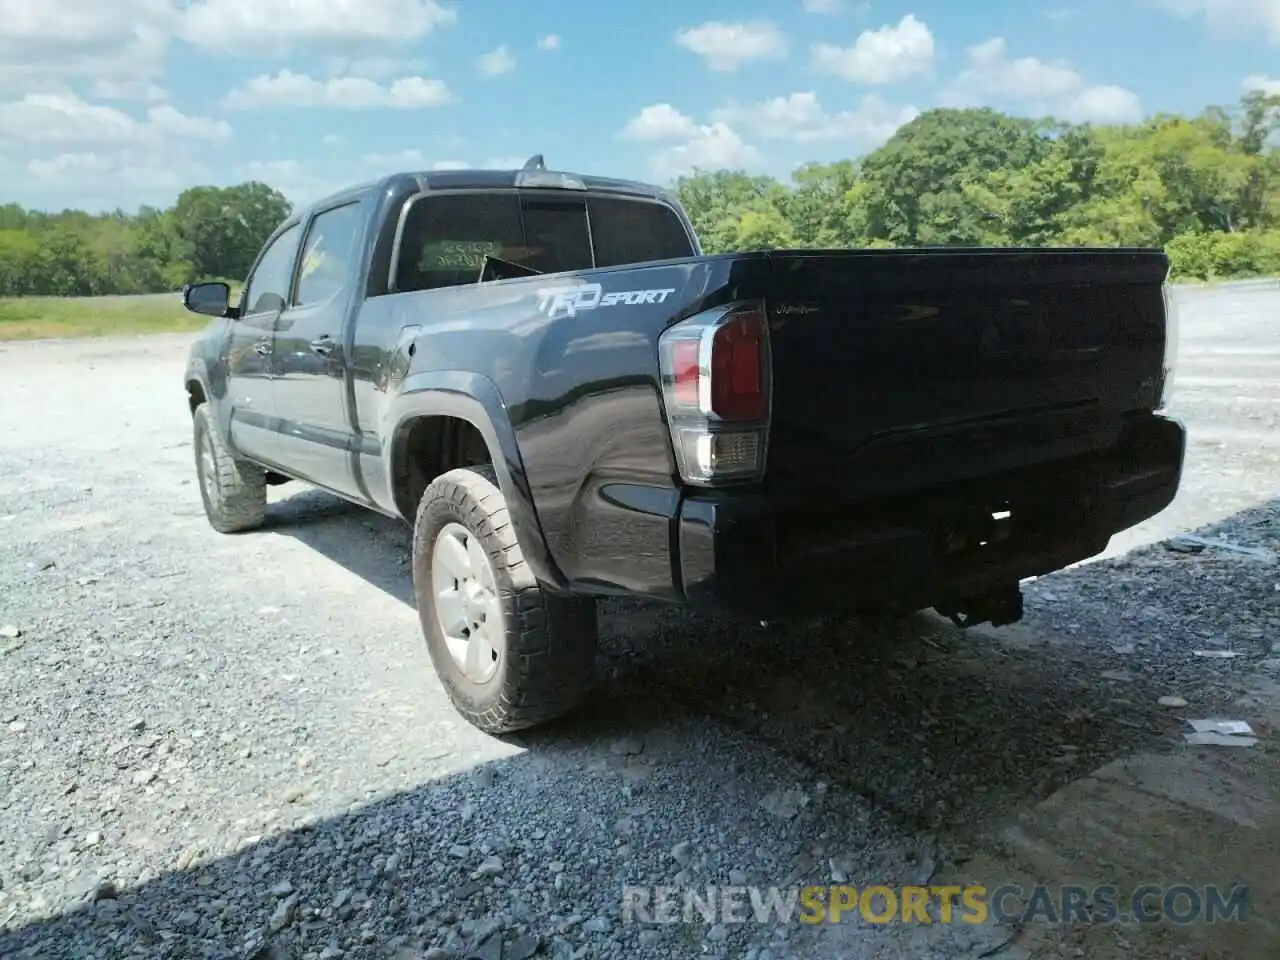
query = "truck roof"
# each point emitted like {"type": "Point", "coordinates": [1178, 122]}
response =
{"type": "Point", "coordinates": [480, 179]}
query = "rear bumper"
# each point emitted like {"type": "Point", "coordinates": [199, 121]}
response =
{"type": "Point", "coordinates": [757, 556]}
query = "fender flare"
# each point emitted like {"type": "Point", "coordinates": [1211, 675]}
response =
{"type": "Point", "coordinates": [196, 373]}
{"type": "Point", "coordinates": [219, 412]}
{"type": "Point", "coordinates": [475, 398]}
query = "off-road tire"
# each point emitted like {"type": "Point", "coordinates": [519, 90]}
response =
{"type": "Point", "coordinates": [236, 499]}
{"type": "Point", "coordinates": [548, 665]}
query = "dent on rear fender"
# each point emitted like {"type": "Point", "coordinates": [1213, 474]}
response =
{"type": "Point", "coordinates": [597, 455]}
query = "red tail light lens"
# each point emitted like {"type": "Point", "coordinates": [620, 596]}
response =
{"type": "Point", "coordinates": [684, 362]}
{"type": "Point", "coordinates": [737, 369]}
{"type": "Point", "coordinates": [715, 370]}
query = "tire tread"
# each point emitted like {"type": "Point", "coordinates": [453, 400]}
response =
{"type": "Point", "coordinates": [242, 487]}
{"type": "Point", "coordinates": [550, 640]}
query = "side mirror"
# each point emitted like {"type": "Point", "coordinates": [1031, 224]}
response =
{"type": "Point", "coordinates": [210, 299]}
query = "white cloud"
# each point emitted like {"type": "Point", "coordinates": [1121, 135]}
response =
{"type": "Point", "coordinates": [1102, 104]}
{"type": "Point", "coordinates": [727, 46]}
{"type": "Point", "coordinates": [170, 122]}
{"type": "Point", "coordinates": [1231, 16]}
{"type": "Point", "coordinates": [289, 89]}
{"type": "Point", "coordinates": [496, 62]}
{"type": "Point", "coordinates": [798, 118]}
{"type": "Point", "coordinates": [298, 180]}
{"type": "Point", "coordinates": [65, 151]}
{"type": "Point", "coordinates": [550, 42]}
{"type": "Point", "coordinates": [1043, 88]}
{"type": "Point", "coordinates": [661, 121]}
{"type": "Point", "coordinates": [46, 43]}
{"type": "Point", "coordinates": [992, 72]}
{"type": "Point", "coordinates": [713, 147]}
{"type": "Point", "coordinates": [413, 159]}
{"type": "Point", "coordinates": [143, 90]}
{"type": "Point", "coordinates": [1265, 84]}
{"type": "Point", "coordinates": [65, 119]}
{"type": "Point", "coordinates": [399, 160]}
{"type": "Point", "coordinates": [375, 68]}
{"type": "Point", "coordinates": [106, 180]}
{"type": "Point", "coordinates": [249, 27]}
{"type": "Point", "coordinates": [832, 7]}
{"type": "Point", "coordinates": [333, 140]}
{"type": "Point", "coordinates": [117, 177]}
{"type": "Point", "coordinates": [71, 164]}
{"type": "Point", "coordinates": [890, 54]}
{"type": "Point", "coordinates": [274, 172]}
{"type": "Point", "coordinates": [801, 118]}
{"type": "Point", "coordinates": [120, 46]}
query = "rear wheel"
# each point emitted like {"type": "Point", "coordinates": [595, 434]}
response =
{"type": "Point", "coordinates": [234, 491]}
{"type": "Point", "coordinates": [510, 655]}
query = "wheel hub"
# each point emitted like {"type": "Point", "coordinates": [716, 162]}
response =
{"type": "Point", "coordinates": [467, 606]}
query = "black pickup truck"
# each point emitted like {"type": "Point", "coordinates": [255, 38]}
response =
{"type": "Point", "coordinates": [543, 374]}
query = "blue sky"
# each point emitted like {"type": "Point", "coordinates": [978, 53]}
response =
{"type": "Point", "coordinates": [128, 102]}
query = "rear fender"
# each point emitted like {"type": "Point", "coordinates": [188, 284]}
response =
{"type": "Point", "coordinates": [475, 399]}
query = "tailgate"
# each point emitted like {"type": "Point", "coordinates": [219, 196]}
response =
{"type": "Point", "coordinates": [901, 369]}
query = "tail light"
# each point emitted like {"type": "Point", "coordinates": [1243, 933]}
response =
{"type": "Point", "coordinates": [716, 383]}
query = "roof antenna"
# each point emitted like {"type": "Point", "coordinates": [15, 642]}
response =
{"type": "Point", "coordinates": [535, 163]}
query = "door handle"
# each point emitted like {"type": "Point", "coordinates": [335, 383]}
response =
{"type": "Point", "coordinates": [323, 345]}
{"type": "Point", "coordinates": [262, 347]}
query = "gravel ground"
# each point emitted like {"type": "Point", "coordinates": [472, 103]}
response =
{"type": "Point", "coordinates": [234, 746]}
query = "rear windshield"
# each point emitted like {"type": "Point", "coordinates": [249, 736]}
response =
{"type": "Point", "coordinates": [446, 238]}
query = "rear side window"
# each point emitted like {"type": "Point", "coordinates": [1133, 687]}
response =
{"type": "Point", "coordinates": [628, 231]}
{"type": "Point", "coordinates": [446, 238]}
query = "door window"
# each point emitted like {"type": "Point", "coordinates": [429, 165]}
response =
{"type": "Point", "coordinates": [328, 255]}
{"type": "Point", "coordinates": [268, 288]}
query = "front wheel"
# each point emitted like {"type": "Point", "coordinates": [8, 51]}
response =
{"type": "Point", "coordinates": [234, 492]}
{"type": "Point", "coordinates": [510, 655]}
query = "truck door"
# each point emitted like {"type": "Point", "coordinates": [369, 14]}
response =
{"type": "Point", "coordinates": [309, 357]}
{"type": "Point", "coordinates": [249, 363]}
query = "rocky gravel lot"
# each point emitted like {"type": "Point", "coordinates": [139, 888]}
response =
{"type": "Point", "coordinates": [235, 747]}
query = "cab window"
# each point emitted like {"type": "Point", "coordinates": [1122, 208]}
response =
{"type": "Point", "coordinates": [446, 238]}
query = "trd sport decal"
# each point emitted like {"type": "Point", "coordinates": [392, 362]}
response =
{"type": "Point", "coordinates": [570, 301]}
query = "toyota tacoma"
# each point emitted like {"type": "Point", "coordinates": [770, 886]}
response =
{"type": "Point", "coordinates": [543, 374]}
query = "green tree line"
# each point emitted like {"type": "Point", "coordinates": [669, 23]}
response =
{"type": "Point", "coordinates": [209, 232]}
{"type": "Point", "coordinates": [1204, 188]}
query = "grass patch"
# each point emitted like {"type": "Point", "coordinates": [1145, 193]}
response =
{"type": "Point", "coordinates": [38, 318]}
